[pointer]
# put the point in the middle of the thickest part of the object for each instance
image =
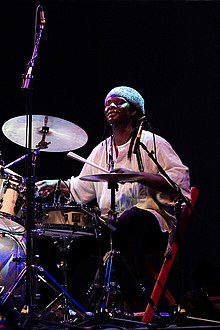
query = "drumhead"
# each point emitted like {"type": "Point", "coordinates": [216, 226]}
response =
{"type": "Point", "coordinates": [11, 224]}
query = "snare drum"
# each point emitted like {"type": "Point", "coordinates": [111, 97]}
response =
{"type": "Point", "coordinates": [78, 220]}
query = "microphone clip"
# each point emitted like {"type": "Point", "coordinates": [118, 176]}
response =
{"type": "Point", "coordinates": [42, 18]}
{"type": "Point", "coordinates": [138, 136]}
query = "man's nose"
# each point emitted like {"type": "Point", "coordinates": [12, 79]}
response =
{"type": "Point", "coordinates": [112, 105]}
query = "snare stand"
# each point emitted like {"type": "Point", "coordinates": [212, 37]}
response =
{"type": "Point", "coordinates": [63, 265]}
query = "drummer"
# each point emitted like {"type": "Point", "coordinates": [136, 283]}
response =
{"type": "Point", "coordinates": [144, 209]}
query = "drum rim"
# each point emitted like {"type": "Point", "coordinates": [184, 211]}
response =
{"type": "Point", "coordinates": [14, 220]}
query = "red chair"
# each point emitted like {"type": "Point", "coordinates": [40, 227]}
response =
{"type": "Point", "coordinates": [167, 263]}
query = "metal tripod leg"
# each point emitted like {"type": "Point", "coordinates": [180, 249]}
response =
{"type": "Point", "coordinates": [59, 289]}
{"type": "Point", "coordinates": [111, 287]}
{"type": "Point", "coordinates": [104, 295]}
{"type": "Point", "coordinates": [42, 275]}
{"type": "Point", "coordinates": [63, 266]}
{"type": "Point", "coordinates": [12, 288]}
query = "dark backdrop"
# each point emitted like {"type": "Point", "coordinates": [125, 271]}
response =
{"type": "Point", "coordinates": [169, 51]}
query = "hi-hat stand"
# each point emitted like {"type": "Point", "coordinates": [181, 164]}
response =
{"type": "Point", "coordinates": [110, 287]}
{"type": "Point", "coordinates": [110, 302]}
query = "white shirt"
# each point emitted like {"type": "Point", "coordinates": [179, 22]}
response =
{"type": "Point", "coordinates": [134, 194]}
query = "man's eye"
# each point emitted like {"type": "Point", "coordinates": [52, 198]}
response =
{"type": "Point", "coordinates": [120, 102]}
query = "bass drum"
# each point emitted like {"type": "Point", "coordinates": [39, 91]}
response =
{"type": "Point", "coordinates": [12, 267]}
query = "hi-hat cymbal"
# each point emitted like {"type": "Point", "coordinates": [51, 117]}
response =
{"type": "Point", "coordinates": [49, 133]}
{"type": "Point", "coordinates": [112, 177]}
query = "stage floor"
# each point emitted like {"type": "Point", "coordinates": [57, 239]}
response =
{"type": "Point", "coordinates": [112, 323]}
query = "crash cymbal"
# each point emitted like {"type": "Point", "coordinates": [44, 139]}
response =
{"type": "Point", "coordinates": [49, 133]}
{"type": "Point", "coordinates": [112, 177]}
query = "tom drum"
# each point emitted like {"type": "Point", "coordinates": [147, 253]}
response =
{"type": "Point", "coordinates": [11, 199]}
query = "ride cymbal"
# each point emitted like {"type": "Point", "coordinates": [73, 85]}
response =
{"type": "Point", "coordinates": [50, 134]}
{"type": "Point", "coordinates": [112, 177]}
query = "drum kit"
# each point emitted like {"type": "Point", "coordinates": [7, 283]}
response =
{"type": "Point", "coordinates": [50, 134]}
{"type": "Point", "coordinates": [65, 221]}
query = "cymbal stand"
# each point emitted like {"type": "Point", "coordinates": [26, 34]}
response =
{"type": "Point", "coordinates": [40, 274]}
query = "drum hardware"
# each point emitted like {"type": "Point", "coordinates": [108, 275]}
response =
{"type": "Point", "coordinates": [68, 305]}
{"type": "Point", "coordinates": [10, 295]}
{"type": "Point", "coordinates": [42, 275]}
{"type": "Point", "coordinates": [110, 301]}
{"type": "Point", "coordinates": [13, 227]}
{"type": "Point", "coordinates": [110, 288]}
{"type": "Point", "coordinates": [13, 287]}
{"type": "Point", "coordinates": [63, 246]}
{"type": "Point", "coordinates": [48, 134]}
{"type": "Point", "coordinates": [64, 249]}
{"type": "Point", "coordinates": [63, 239]}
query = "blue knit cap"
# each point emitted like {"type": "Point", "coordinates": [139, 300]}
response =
{"type": "Point", "coordinates": [131, 95]}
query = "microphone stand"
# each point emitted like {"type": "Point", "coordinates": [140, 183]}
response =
{"type": "Point", "coordinates": [26, 79]}
{"type": "Point", "coordinates": [32, 270]}
{"type": "Point", "coordinates": [181, 197]}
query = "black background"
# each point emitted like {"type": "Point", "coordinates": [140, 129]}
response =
{"type": "Point", "coordinates": [169, 51]}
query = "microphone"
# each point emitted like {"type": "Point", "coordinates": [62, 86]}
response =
{"type": "Point", "coordinates": [42, 22]}
{"type": "Point", "coordinates": [57, 192]}
{"type": "Point", "coordinates": [138, 136]}
{"type": "Point", "coordinates": [42, 16]}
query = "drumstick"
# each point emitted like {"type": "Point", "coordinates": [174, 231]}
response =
{"type": "Point", "coordinates": [7, 171]}
{"type": "Point", "coordinates": [83, 160]}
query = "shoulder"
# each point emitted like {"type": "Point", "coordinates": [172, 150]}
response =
{"type": "Point", "coordinates": [149, 137]}
{"type": "Point", "coordinates": [153, 141]}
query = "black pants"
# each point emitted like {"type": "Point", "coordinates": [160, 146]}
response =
{"type": "Point", "coordinates": [138, 234]}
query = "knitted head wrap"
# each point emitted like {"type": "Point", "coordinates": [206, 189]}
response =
{"type": "Point", "coordinates": [131, 95]}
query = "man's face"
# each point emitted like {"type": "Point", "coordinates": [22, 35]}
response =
{"type": "Point", "coordinates": [117, 110]}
